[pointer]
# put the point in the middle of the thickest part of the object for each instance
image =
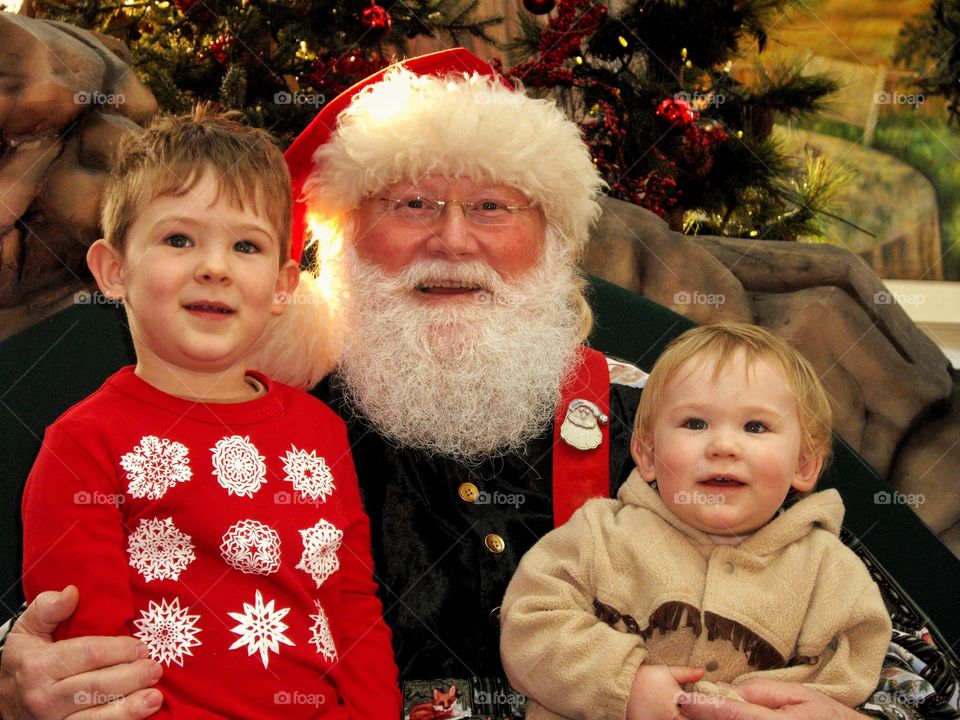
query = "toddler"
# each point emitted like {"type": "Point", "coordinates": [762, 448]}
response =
{"type": "Point", "coordinates": [714, 563]}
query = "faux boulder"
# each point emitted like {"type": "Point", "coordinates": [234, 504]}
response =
{"type": "Point", "coordinates": [894, 393]}
{"type": "Point", "coordinates": [67, 97]}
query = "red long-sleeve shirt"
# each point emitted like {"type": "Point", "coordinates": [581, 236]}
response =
{"type": "Point", "coordinates": [230, 538]}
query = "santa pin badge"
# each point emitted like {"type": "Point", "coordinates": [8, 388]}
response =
{"type": "Point", "coordinates": [581, 426]}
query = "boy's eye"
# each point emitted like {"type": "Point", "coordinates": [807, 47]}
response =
{"type": "Point", "coordinates": [695, 424]}
{"type": "Point", "coordinates": [245, 246]}
{"type": "Point", "coordinates": [178, 241]}
{"type": "Point", "coordinates": [755, 426]}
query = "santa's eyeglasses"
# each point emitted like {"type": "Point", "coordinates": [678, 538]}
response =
{"type": "Point", "coordinates": [417, 210]}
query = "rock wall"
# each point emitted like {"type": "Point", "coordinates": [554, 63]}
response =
{"type": "Point", "coordinates": [67, 97]}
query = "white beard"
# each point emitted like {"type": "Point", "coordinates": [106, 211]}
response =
{"type": "Point", "coordinates": [477, 379]}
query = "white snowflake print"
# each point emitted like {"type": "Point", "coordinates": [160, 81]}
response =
{"type": "Point", "coordinates": [238, 465]}
{"type": "Point", "coordinates": [321, 635]}
{"type": "Point", "coordinates": [260, 628]}
{"type": "Point", "coordinates": [251, 547]}
{"type": "Point", "coordinates": [158, 550]}
{"type": "Point", "coordinates": [320, 545]}
{"type": "Point", "coordinates": [168, 631]}
{"type": "Point", "coordinates": [154, 466]}
{"type": "Point", "coordinates": [308, 473]}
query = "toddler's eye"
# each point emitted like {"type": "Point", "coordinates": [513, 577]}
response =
{"type": "Point", "coordinates": [755, 426]}
{"type": "Point", "coordinates": [178, 241]}
{"type": "Point", "coordinates": [695, 424]}
{"type": "Point", "coordinates": [245, 246]}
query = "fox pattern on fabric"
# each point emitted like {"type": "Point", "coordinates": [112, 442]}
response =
{"type": "Point", "coordinates": [442, 706]}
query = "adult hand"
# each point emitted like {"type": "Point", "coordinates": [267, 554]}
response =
{"type": "Point", "coordinates": [75, 678]}
{"type": "Point", "coordinates": [767, 700]}
{"type": "Point", "coordinates": [654, 692]}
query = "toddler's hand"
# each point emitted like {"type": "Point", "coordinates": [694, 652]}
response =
{"type": "Point", "coordinates": [653, 694]}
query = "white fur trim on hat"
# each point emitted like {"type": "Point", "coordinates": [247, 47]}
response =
{"type": "Point", "coordinates": [409, 126]}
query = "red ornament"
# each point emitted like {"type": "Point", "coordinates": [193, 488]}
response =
{"type": "Point", "coordinates": [220, 48]}
{"type": "Point", "coordinates": [376, 20]}
{"type": "Point", "coordinates": [539, 7]}
{"type": "Point", "coordinates": [676, 111]}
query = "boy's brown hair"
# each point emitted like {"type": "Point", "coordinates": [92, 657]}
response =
{"type": "Point", "coordinates": [720, 342]}
{"type": "Point", "coordinates": [173, 153]}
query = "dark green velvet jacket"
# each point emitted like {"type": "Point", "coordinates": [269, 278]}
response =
{"type": "Point", "coordinates": [441, 587]}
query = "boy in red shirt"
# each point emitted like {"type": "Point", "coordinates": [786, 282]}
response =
{"type": "Point", "coordinates": [198, 505]}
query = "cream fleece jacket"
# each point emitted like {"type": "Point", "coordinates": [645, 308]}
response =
{"type": "Point", "coordinates": [625, 582]}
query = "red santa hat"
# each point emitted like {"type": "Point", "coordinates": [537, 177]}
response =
{"type": "Point", "coordinates": [448, 113]}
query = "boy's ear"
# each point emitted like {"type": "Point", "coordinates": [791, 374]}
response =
{"type": "Point", "coordinates": [287, 280]}
{"type": "Point", "coordinates": [641, 448]}
{"type": "Point", "coordinates": [106, 264]}
{"type": "Point", "coordinates": [808, 471]}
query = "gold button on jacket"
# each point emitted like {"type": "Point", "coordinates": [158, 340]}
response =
{"type": "Point", "coordinates": [494, 543]}
{"type": "Point", "coordinates": [468, 492]}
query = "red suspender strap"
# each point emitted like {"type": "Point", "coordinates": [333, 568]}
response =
{"type": "Point", "coordinates": [580, 474]}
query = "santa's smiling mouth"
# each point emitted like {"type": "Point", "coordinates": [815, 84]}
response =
{"type": "Point", "coordinates": [447, 287]}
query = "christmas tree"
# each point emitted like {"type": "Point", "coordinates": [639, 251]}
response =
{"type": "Point", "coordinates": [928, 45]}
{"type": "Point", "coordinates": [277, 62]}
{"type": "Point", "coordinates": [670, 125]}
